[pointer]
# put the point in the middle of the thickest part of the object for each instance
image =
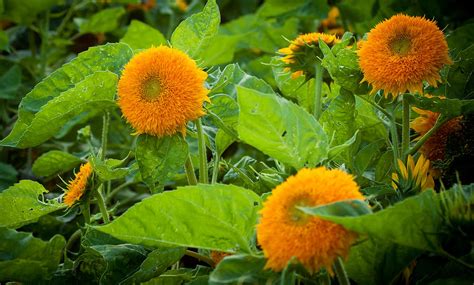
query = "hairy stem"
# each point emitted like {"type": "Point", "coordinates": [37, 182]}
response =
{"type": "Point", "coordinates": [188, 166]}
{"type": "Point", "coordinates": [318, 86]}
{"type": "Point", "coordinates": [203, 175]}
{"type": "Point", "coordinates": [341, 272]}
{"type": "Point", "coordinates": [101, 204]}
{"type": "Point", "coordinates": [405, 129]}
{"type": "Point", "coordinates": [439, 123]}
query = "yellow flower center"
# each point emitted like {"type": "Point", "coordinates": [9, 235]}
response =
{"type": "Point", "coordinates": [401, 45]}
{"type": "Point", "coordinates": [151, 89]}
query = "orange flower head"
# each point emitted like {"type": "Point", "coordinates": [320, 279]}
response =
{"type": "Point", "coordinates": [413, 177]}
{"type": "Point", "coordinates": [402, 52]}
{"type": "Point", "coordinates": [146, 5]}
{"type": "Point", "coordinates": [182, 5]}
{"type": "Point", "coordinates": [160, 90]}
{"type": "Point", "coordinates": [435, 147]}
{"type": "Point", "coordinates": [285, 232]}
{"type": "Point", "coordinates": [77, 187]}
{"type": "Point", "coordinates": [331, 24]}
{"type": "Point", "coordinates": [303, 53]}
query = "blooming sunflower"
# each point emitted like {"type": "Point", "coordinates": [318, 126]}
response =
{"type": "Point", "coordinates": [402, 52]}
{"type": "Point", "coordinates": [160, 90]}
{"type": "Point", "coordinates": [435, 147]}
{"type": "Point", "coordinates": [413, 177]}
{"type": "Point", "coordinates": [303, 53]}
{"type": "Point", "coordinates": [285, 232]}
{"type": "Point", "coordinates": [77, 186]}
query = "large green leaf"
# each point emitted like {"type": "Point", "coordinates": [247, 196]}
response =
{"type": "Point", "coordinates": [54, 162]}
{"type": "Point", "coordinates": [24, 258]}
{"type": "Point", "coordinates": [217, 217]}
{"type": "Point", "coordinates": [142, 36]}
{"type": "Point", "coordinates": [95, 92]}
{"type": "Point", "coordinates": [160, 158]}
{"type": "Point", "coordinates": [414, 222]}
{"type": "Point", "coordinates": [280, 129]}
{"type": "Point", "coordinates": [110, 264]}
{"type": "Point", "coordinates": [20, 204]}
{"type": "Point", "coordinates": [242, 269]}
{"type": "Point", "coordinates": [104, 21]}
{"type": "Point", "coordinates": [109, 57]}
{"type": "Point", "coordinates": [377, 261]}
{"type": "Point", "coordinates": [194, 34]}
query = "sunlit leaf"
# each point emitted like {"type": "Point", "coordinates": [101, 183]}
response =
{"type": "Point", "coordinates": [54, 162]}
{"type": "Point", "coordinates": [142, 36]}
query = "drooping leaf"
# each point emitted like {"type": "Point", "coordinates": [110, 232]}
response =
{"type": "Point", "coordinates": [109, 169]}
{"type": "Point", "coordinates": [110, 57]}
{"type": "Point", "coordinates": [194, 34]}
{"type": "Point", "coordinates": [25, 258]}
{"type": "Point", "coordinates": [160, 158]}
{"type": "Point", "coordinates": [217, 217]}
{"type": "Point", "coordinates": [155, 264]}
{"type": "Point", "coordinates": [54, 162]}
{"type": "Point", "coordinates": [106, 20]}
{"type": "Point", "coordinates": [242, 269]}
{"type": "Point", "coordinates": [142, 36]}
{"type": "Point", "coordinates": [96, 92]}
{"type": "Point", "coordinates": [110, 264]}
{"type": "Point", "coordinates": [21, 206]}
{"type": "Point", "coordinates": [280, 129]}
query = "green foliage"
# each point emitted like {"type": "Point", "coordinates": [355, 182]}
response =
{"type": "Point", "coordinates": [61, 86]}
{"type": "Point", "coordinates": [218, 217]}
{"type": "Point", "coordinates": [9, 82]}
{"type": "Point", "coordinates": [243, 269]}
{"type": "Point", "coordinates": [194, 34]}
{"type": "Point", "coordinates": [8, 175]}
{"type": "Point", "coordinates": [25, 12]}
{"type": "Point", "coordinates": [346, 208]}
{"type": "Point", "coordinates": [109, 169]}
{"type": "Point", "coordinates": [20, 204]}
{"type": "Point", "coordinates": [106, 20]}
{"type": "Point", "coordinates": [54, 162]}
{"type": "Point", "coordinates": [141, 36]}
{"type": "Point", "coordinates": [25, 258]}
{"type": "Point", "coordinates": [160, 158]}
{"type": "Point", "coordinates": [280, 129]}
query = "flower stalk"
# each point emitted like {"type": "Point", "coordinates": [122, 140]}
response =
{"type": "Point", "coordinates": [405, 129]}
{"type": "Point", "coordinates": [341, 273]}
{"type": "Point", "coordinates": [101, 204]}
{"type": "Point", "coordinates": [203, 175]}
{"type": "Point", "coordinates": [189, 168]}
{"type": "Point", "coordinates": [318, 86]}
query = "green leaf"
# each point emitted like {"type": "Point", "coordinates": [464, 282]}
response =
{"type": "Point", "coordinates": [108, 170]}
{"type": "Point", "coordinates": [194, 34]}
{"type": "Point", "coordinates": [20, 204]}
{"type": "Point", "coordinates": [377, 261]}
{"type": "Point", "coordinates": [214, 54]}
{"type": "Point", "coordinates": [196, 276]}
{"type": "Point", "coordinates": [272, 8]}
{"type": "Point", "coordinates": [460, 80]}
{"type": "Point", "coordinates": [4, 44]}
{"type": "Point", "coordinates": [104, 21]}
{"type": "Point", "coordinates": [448, 107]}
{"type": "Point", "coordinates": [345, 208]}
{"type": "Point", "coordinates": [242, 269]}
{"type": "Point", "coordinates": [109, 57]}
{"type": "Point", "coordinates": [25, 258]}
{"type": "Point", "coordinates": [343, 67]}
{"type": "Point", "coordinates": [160, 158]}
{"type": "Point", "coordinates": [110, 264]}
{"type": "Point", "coordinates": [280, 129]}
{"type": "Point", "coordinates": [155, 264]}
{"type": "Point", "coordinates": [142, 36]}
{"type": "Point", "coordinates": [336, 150]}
{"type": "Point", "coordinates": [414, 222]}
{"type": "Point", "coordinates": [95, 92]}
{"type": "Point", "coordinates": [10, 81]}
{"type": "Point", "coordinates": [54, 162]}
{"type": "Point", "coordinates": [217, 217]}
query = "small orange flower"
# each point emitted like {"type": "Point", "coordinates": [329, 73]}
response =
{"type": "Point", "coordinates": [303, 53]}
{"type": "Point", "coordinates": [331, 24]}
{"type": "Point", "coordinates": [435, 147]}
{"type": "Point", "coordinates": [285, 232]}
{"type": "Point", "coordinates": [160, 90]}
{"type": "Point", "coordinates": [402, 52]}
{"type": "Point", "coordinates": [77, 187]}
{"type": "Point", "coordinates": [146, 5]}
{"type": "Point", "coordinates": [182, 5]}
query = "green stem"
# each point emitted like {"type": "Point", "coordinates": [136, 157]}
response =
{"type": "Point", "coordinates": [72, 239]}
{"type": "Point", "coordinates": [405, 129]}
{"type": "Point", "coordinates": [115, 191]}
{"type": "Point", "coordinates": [66, 18]}
{"type": "Point", "coordinates": [382, 110]}
{"type": "Point", "coordinates": [44, 30]}
{"type": "Point", "coordinates": [101, 203]}
{"type": "Point", "coordinates": [394, 135]}
{"type": "Point", "coordinates": [439, 123]}
{"type": "Point", "coordinates": [105, 130]}
{"type": "Point", "coordinates": [215, 169]}
{"type": "Point", "coordinates": [200, 257]}
{"type": "Point", "coordinates": [188, 166]}
{"type": "Point", "coordinates": [341, 272]}
{"type": "Point", "coordinates": [203, 175]}
{"type": "Point", "coordinates": [318, 86]}
{"type": "Point", "coordinates": [86, 212]}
